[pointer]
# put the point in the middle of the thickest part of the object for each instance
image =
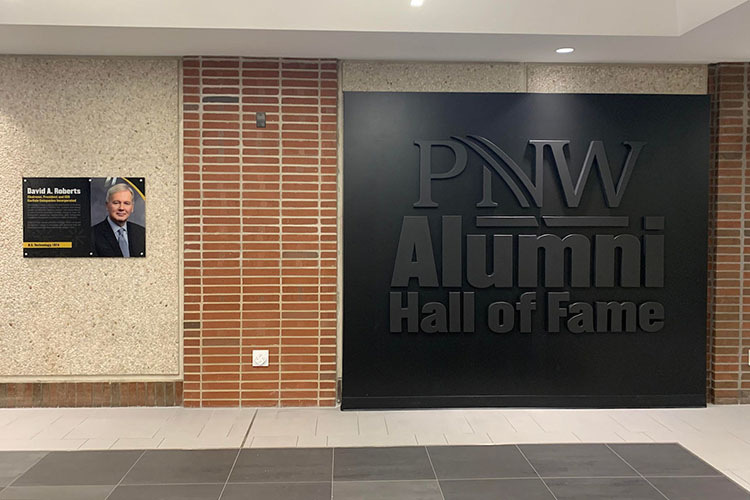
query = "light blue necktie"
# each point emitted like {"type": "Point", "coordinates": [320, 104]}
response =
{"type": "Point", "coordinates": [123, 243]}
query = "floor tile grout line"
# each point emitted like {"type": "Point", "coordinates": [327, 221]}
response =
{"type": "Point", "coordinates": [198, 436]}
{"type": "Point", "coordinates": [45, 428]}
{"type": "Point", "coordinates": [623, 439]}
{"type": "Point", "coordinates": [659, 422]}
{"type": "Point", "coordinates": [437, 480]}
{"type": "Point", "coordinates": [536, 471]}
{"type": "Point", "coordinates": [27, 470]}
{"type": "Point", "coordinates": [211, 483]}
{"type": "Point", "coordinates": [618, 424]}
{"type": "Point", "coordinates": [677, 416]}
{"type": "Point", "coordinates": [9, 422]}
{"type": "Point", "coordinates": [684, 476]}
{"type": "Point", "coordinates": [533, 478]}
{"type": "Point", "coordinates": [538, 423]}
{"type": "Point", "coordinates": [333, 465]}
{"type": "Point", "coordinates": [473, 431]}
{"type": "Point", "coordinates": [732, 433]}
{"type": "Point", "coordinates": [247, 433]}
{"type": "Point", "coordinates": [637, 471]}
{"type": "Point", "coordinates": [401, 480]}
{"type": "Point", "coordinates": [448, 479]}
{"type": "Point", "coordinates": [231, 469]}
{"type": "Point", "coordinates": [511, 424]}
{"type": "Point", "coordinates": [124, 475]}
{"type": "Point", "coordinates": [75, 427]}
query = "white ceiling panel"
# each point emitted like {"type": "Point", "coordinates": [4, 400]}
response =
{"type": "Point", "coordinates": [472, 30]}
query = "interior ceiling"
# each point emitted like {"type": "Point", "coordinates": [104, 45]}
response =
{"type": "Point", "coordinates": [680, 31]}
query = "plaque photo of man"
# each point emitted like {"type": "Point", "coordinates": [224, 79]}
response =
{"type": "Point", "coordinates": [118, 213]}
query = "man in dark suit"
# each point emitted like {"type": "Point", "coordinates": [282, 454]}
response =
{"type": "Point", "coordinates": [115, 236]}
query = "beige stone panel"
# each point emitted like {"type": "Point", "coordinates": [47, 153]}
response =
{"type": "Point", "coordinates": [100, 117]}
{"type": "Point", "coordinates": [380, 76]}
{"type": "Point", "coordinates": [617, 78]}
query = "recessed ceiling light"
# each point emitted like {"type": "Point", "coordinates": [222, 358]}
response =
{"type": "Point", "coordinates": [565, 50]}
{"type": "Point", "coordinates": [417, 3]}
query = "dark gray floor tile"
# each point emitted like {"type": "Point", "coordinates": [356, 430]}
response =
{"type": "Point", "coordinates": [472, 462]}
{"type": "Point", "coordinates": [79, 468]}
{"type": "Point", "coordinates": [575, 460]}
{"type": "Point", "coordinates": [168, 492]}
{"type": "Point", "coordinates": [283, 464]}
{"type": "Point", "coordinates": [15, 463]}
{"type": "Point", "coordinates": [699, 488]}
{"type": "Point", "coordinates": [182, 466]}
{"type": "Point", "coordinates": [603, 489]}
{"type": "Point", "coordinates": [278, 491]}
{"type": "Point", "coordinates": [495, 489]}
{"type": "Point", "coordinates": [56, 493]}
{"type": "Point", "coordinates": [386, 490]}
{"type": "Point", "coordinates": [663, 460]}
{"type": "Point", "coordinates": [371, 464]}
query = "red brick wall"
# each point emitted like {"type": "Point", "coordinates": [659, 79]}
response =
{"type": "Point", "coordinates": [260, 231]}
{"type": "Point", "coordinates": [729, 293]}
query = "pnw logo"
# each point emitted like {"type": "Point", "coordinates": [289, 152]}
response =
{"type": "Point", "coordinates": [499, 162]}
{"type": "Point", "coordinates": [605, 257]}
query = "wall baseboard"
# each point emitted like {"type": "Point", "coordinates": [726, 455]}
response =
{"type": "Point", "coordinates": [89, 394]}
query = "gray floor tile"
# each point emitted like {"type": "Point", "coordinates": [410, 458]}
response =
{"type": "Point", "coordinates": [699, 488]}
{"type": "Point", "coordinates": [182, 466]}
{"type": "Point", "coordinates": [278, 491]}
{"type": "Point", "coordinates": [79, 468]}
{"type": "Point", "coordinates": [575, 460]}
{"type": "Point", "coordinates": [495, 489]}
{"type": "Point", "coordinates": [386, 490]}
{"type": "Point", "coordinates": [371, 464]}
{"type": "Point", "coordinates": [472, 462]}
{"type": "Point", "coordinates": [603, 489]}
{"type": "Point", "coordinates": [283, 464]}
{"type": "Point", "coordinates": [663, 460]}
{"type": "Point", "coordinates": [15, 463]}
{"type": "Point", "coordinates": [168, 492]}
{"type": "Point", "coordinates": [56, 493]}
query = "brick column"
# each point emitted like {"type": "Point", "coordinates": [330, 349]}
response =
{"type": "Point", "coordinates": [729, 226]}
{"type": "Point", "coordinates": [260, 231]}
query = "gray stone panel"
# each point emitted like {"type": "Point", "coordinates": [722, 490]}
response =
{"type": "Point", "coordinates": [86, 116]}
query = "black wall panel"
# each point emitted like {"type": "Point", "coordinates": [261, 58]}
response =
{"type": "Point", "coordinates": [501, 191]}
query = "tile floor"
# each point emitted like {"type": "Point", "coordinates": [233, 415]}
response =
{"type": "Point", "coordinates": [621, 471]}
{"type": "Point", "coordinates": [720, 435]}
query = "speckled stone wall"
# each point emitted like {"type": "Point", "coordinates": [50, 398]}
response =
{"type": "Point", "coordinates": [617, 78]}
{"type": "Point", "coordinates": [95, 318]}
{"type": "Point", "coordinates": [524, 77]}
{"type": "Point", "coordinates": [380, 76]}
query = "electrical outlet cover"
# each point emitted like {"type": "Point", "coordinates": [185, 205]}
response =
{"type": "Point", "coordinates": [260, 357]}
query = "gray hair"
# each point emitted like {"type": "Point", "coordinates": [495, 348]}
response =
{"type": "Point", "coordinates": [117, 188]}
